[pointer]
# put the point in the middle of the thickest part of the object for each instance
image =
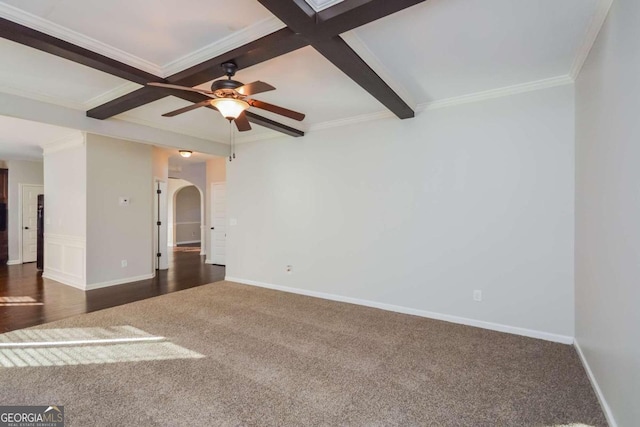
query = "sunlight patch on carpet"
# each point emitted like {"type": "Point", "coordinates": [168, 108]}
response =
{"type": "Point", "coordinates": [83, 346]}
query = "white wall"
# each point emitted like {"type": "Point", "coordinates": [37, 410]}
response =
{"type": "Point", "coordinates": [65, 177]}
{"type": "Point", "coordinates": [419, 213]}
{"type": "Point", "coordinates": [20, 172]}
{"type": "Point", "coordinates": [188, 215]}
{"type": "Point", "coordinates": [608, 212]}
{"type": "Point", "coordinates": [117, 168]}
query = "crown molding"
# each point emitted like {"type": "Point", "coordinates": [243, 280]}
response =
{"type": "Point", "coordinates": [40, 24]}
{"type": "Point", "coordinates": [72, 139]}
{"type": "Point", "coordinates": [450, 102]}
{"type": "Point", "coordinates": [361, 48]}
{"type": "Point", "coordinates": [595, 26]}
{"type": "Point", "coordinates": [496, 93]}
{"type": "Point", "coordinates": [237, 39]}
{"type": "Point", "coordinates": [320, 5]}
{"type": "Point", "coordinates": [224, 45]}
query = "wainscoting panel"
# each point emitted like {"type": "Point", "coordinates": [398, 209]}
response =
{"type": "Point", "coordinates": [64, 259]}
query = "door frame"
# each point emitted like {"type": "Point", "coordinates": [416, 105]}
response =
{"type": "Point", "coordinates": [20, 225]}
{"type": "Point", "coordinates": [163, 262]}
{"type": "Point", "coordinates": [212, 217]}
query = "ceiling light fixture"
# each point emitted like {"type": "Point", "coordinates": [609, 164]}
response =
{"type": "Point", "coordinates": [230, 108]}
{"type": "Point", "coordinates": [185, 153]}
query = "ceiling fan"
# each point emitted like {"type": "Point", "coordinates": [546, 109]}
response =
{"type": "Point", "coordinates": [231, 98]}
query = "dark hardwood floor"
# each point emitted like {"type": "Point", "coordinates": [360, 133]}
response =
{"type": "Point", "coordinates": [186, 270]}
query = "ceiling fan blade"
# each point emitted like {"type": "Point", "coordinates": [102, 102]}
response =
{"type": "Point", "coordinates": [187, 108]}
{"type": "Point", "coordinates": [275, 109]}
{"type": "Point", "coordinates": [190, 89]}
{"type": "Point", "coordinates": [254, 87]}
{"type": "Point", "coordinates": [243, 123]}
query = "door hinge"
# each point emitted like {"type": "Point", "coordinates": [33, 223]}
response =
{"type": "Point", "coordinates": [158, 223]}
{"type": "Point", "coordinates": [158, 254]}
{"type": "Point", "coordinates": [159, 191]}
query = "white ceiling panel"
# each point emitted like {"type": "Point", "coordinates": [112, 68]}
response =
{"type": "Point", "coordinates": [155, 31]}
{"type": "Point", "coordinates": [447, 48]}
{"type": "Point", "coordinates": [35, 74]}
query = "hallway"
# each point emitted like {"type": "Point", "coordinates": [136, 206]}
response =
{"type": "Point", "coordinates": [26, 299]}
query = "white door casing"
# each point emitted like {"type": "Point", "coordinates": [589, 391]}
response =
{"type": "Point", "coordinates": [218, 222]}
{"type": "Point", "coordinates": [29, 221]}
{"type": "Point", "coordinates": [161, 262]}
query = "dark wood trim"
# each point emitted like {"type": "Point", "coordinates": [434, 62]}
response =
{"type": "Point", "coordinates": [273, 125]}
{"type": "Point", "coordinates": [46, 43]}
{"type": "Point", "coordinates": [342, 56]}
{"type": "Point", "coordinates": [351, 14]}
{"type": "Point", "coordinates": [137, 98]}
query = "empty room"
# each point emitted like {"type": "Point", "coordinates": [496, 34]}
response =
{"type": "Point", "coordinates": [319, 212]}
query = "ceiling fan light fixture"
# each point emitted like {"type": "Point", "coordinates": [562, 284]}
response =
{"type": "Point", "coordinates": [230, 108]}
{"type": "Point", "coordinates": [185, 153]}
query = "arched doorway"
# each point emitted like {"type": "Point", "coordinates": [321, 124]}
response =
{"type": "Point", "coordinates": [186, 215]}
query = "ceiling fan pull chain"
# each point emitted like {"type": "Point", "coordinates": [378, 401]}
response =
{"type": "Point", "coordinates": [230, 141]}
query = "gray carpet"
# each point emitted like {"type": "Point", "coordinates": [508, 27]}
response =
{"type": "Point", "coordinates": [226, 354]}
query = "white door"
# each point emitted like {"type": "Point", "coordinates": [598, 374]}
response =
{"type": "Point", "coordinates": [218, 223]}
{"type": "Point", "coordinates": [30, 221]}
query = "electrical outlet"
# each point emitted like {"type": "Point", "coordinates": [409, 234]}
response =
{"type": "Point", "coordinates": [123, 263]}
{"type": "Point", "coordinates": [477, 295]}
{"type": "Point", "coordinates": [289, 269]}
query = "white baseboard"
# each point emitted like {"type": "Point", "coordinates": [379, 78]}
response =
{"type": "Point", "coordinates": [61, 278]}
{"type": "Point", "coordinates": [208, 261]}
{"type": "Point", "coordinates": [187, 242]}
{"type": "Point", "coordinates": [603, 402]}
{"type": "Point", "coordinates": [14, 262]}
{"type": "Point", "coordinates": [116, 282]}
{"type": "Point", "coordinates": [64, 279]}
{"type": "Point", "coordinates": [563, 339]}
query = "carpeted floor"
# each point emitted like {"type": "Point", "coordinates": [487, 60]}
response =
{"type": "Point", "coordinates": [226, 354]}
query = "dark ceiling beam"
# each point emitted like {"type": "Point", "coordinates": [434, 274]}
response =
{"type": "Point", "coordinates": [324, 37]}
{"type": "Point", "coordinates": [342, 56]}
{"type": "Point", "coordinates": [351, 14]}
{"type": "Point", "coordinates": [273, 125]}
{"type": "Point", "coordinates": [127, 102]}
{"type": "Point", "coordinates": [46, 43]}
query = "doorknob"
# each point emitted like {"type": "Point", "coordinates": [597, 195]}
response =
{"type": "Point", "coordinates": [213, 228]}
{"type": "Point", "coordinates": [26, 228]}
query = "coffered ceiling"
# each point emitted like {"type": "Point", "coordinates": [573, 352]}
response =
{"type": "Point", "coordinates": [429, 52]}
